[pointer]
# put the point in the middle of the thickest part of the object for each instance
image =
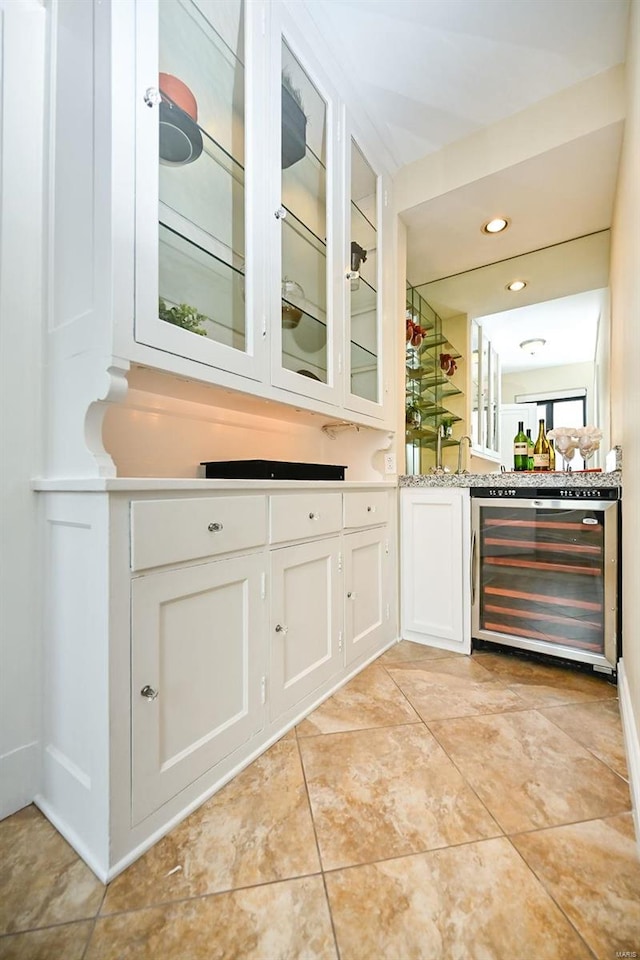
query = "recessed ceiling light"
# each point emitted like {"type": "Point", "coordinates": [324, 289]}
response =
{"type": "Point", "coordinates": [516, 285]}
{"type": "Point", "coordinates": [497, 225]}
{"type": "Point", "coordinates": [532, 346]}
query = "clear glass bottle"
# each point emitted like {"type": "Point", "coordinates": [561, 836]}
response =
{"type": "Point", "coordinates": [541, 449]}
{"type": "Point", "coordinates": [520, 455]}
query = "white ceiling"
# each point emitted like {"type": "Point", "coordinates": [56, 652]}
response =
{"type": "Point", "coordinates": [430, 72]}
{"type": "Point", "coordinates": [569, 325]}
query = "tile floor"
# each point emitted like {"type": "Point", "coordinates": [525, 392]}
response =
{"type": "Point", "coordinates": [436, 807]}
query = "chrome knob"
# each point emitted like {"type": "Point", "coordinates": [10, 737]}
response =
{"type": "Point", "coordinates": [214, 527]}
{"type": "Point", "coordinates": [281, 214]}
{"type": "Point", "coordinates": [351, 595]}
{"type": "Point", "coordinates": [152, 97]}
{"type": "Point", "coordinates": [371, 509]}
{"type": "Point", "coordinates": [314, 516]}
{"type": "Point", "coordinates": [281, 629]}
{"type": "Point", "coordinates": [149, 693]}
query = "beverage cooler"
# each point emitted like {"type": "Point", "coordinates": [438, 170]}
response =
{"type": "Point", "coordinates": [545, 571]}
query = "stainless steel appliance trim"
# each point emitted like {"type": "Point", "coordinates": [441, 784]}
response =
{"type": "Point", "coordinates": [475, 570]}
{"type": "Point", "coordinates": [609, 509]}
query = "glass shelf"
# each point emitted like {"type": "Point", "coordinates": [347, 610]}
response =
{"type": "Point", "coordinates": [426, 437]}
{"type": "Point", "coordinates": [211, 286]}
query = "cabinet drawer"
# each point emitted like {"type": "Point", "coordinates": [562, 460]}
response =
{"type": "Point", "coordinates": [171, 531]}
{"type": "Point", "coordinates": [366, 509]}
{"type": "Point", "coordinates": [300, 516]}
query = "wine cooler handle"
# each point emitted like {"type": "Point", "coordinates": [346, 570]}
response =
{"type": "Point", "coordinates": [473, 569]}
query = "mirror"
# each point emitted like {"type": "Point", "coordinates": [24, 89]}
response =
{"type": "Point", "coordinates": [564, 304]}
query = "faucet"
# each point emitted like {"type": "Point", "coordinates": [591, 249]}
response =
{"type": "Point", "coordinates": [468, 439]}
{"type": "Point", "coordinates": [439, 469]}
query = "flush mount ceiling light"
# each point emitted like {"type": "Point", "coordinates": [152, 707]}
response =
{"type": "Point", "coordinates": [532, 346]}
{"type": "Point", "coordinates": [497, 225]}
{"type": "Point", "coordinates": [516, 285]}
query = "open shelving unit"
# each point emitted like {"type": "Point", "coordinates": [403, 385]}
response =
{"type": "Point", "coordinates": [429, 390]}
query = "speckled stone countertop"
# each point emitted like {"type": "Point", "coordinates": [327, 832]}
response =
{"type": "Point", "coordinates": [558, 479]}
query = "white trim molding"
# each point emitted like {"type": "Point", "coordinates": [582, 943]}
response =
{"type": "Point", "coordinates": [632, 745]}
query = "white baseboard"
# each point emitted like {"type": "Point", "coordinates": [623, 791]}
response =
{"type": "Point", "coordinates": [632, 744]}
{"type": "Point", "coordinates": [19, 778]}
{"type": "Point", "coordinates": [71, 837]}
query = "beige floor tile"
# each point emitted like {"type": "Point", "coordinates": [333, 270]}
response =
{"type": "Point", "coordinates": [42, 881]}
{"type": "Point", "coordinates": [542, 685]}
{"type": "Point", "coordinates": [256, 829]}
{"type": "Point", "coordinates": [598, 727]}
{"type": "Point", "coordinates": [408, 650]}
{"type": "Point", "coordinates": [593, 872]}
{"type": "Point", "coordinates": [528, 772]}
{"type": "Point", "coordinates": [477, 901]}
{"type": "Point", "coordinates": [281, 920]}
{"type": "Point", "coordinates": [371, 699]}
{"type": "Point", "coordinates": [66, 942]}
{"type": "Point", "coordinates": [440, 689]}
{"type": "Point", "coordinates": [385, 793]}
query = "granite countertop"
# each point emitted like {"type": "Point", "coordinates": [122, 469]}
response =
{"type": "Point", "coordinates": [556, 479]}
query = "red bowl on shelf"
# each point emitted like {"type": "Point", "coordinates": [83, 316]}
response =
{"type": "Point", "coordinates": [179, 93]}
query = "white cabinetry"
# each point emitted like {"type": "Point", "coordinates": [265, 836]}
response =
{"type": "Point", "coordinates": [306, 627]}
{"type": "Point", "coordinates": [206, 229]}
{"type": "Point", "coordinates": [435, 573]}
{"type": "Point", "coordinates": [218, 619]}
{"type": "Point", "coordinates": [485, 395]}
{"type": "Point", "coordinates": [196, 671]}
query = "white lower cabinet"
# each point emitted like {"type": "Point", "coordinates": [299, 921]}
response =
{"type": "Point", "coordinates": [202, 624]}
{"type": "Point", "coordinates": [435, 575]}
{"type": "Point", "coordinates": [196, 672]}
{"type": "Point", "coordinates": [367, 586]}
{"type": "Point", "coordinates": [306, 631]}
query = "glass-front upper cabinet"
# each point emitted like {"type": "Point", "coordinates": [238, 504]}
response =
{"type": "Point", "coordinates": [363, 310]}
{"type": "Point", "coordinates": [194, 258]}
{"type": "Point", "coordinates": [304, 344]}
{"type": "Point", "coordinates": [485, 393]}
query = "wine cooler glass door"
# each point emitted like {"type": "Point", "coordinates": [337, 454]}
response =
{"type": "Point", "coordinates": [546, 577]}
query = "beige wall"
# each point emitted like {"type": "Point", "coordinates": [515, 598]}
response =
{"type": "Point", "coordinates": [625, 367]}
{"type": "Point", "coordinates": [566, 377]}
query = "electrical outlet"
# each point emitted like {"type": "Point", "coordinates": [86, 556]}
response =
{"type": "Point", "coordinates": [389, 463]}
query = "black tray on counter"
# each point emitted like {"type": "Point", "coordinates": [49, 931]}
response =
{"type": "Point", "coordinates": [270, 470]}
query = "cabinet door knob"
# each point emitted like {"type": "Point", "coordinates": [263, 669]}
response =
{"type": "Point", "coordinates": [215, 527]}
{"type": "Point", "coordinates": [351, 595]}
{"type": "Point", "coordinates": [152, 97]}
{"type": "Point", "coordinates": [314, 516]}
{"type": "Point", "coordinates": [149, 693]}
{"type": "Point", "coordinates": [281, 213]}
{"type": "Point", "coordinates": [371, 509]}
{"type": "Point", "coordinates": [281, 629]}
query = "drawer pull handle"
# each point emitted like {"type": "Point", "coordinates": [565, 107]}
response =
{"type": "Point", "coordinates": [281, 629]}
{"type": "Point", "coordinates": [314, 516]}
{"type": "Point", "coordinates": [149, 693]}
{"type": "Point", "coordinates": [214, 527]}
{"type": "Point", "coordinates": [351, 595]}
{"type": "Point", "coordinates": [371, 509]}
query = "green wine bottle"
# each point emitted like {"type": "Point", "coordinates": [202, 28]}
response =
{"type": "Point", "coordinates": [529, 450]}
{"type": "Point", "coordinates": [520, 452]}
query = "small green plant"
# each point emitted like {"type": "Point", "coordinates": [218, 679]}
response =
{"type": "Point", "coordinates": [183, 316]}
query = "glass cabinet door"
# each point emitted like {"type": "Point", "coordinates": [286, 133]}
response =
{"type": "Point", "coordinates": [476, 436]}
{"type": "Point", "coordinates": [363, 295]}
{"type": "Point", "coordinates": [304, 344]}
{"type": "Point", "coordinates": [191, 294]}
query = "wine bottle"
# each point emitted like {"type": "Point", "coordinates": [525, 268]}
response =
{"type": "Point", "coordinates": [529, 450]}
{"type": "Point", "coordinates": [541, 449]}
{"type": "Point", "coordinates": [520, 456]}
{"type": "Point", "coordinates": [552, 456]}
